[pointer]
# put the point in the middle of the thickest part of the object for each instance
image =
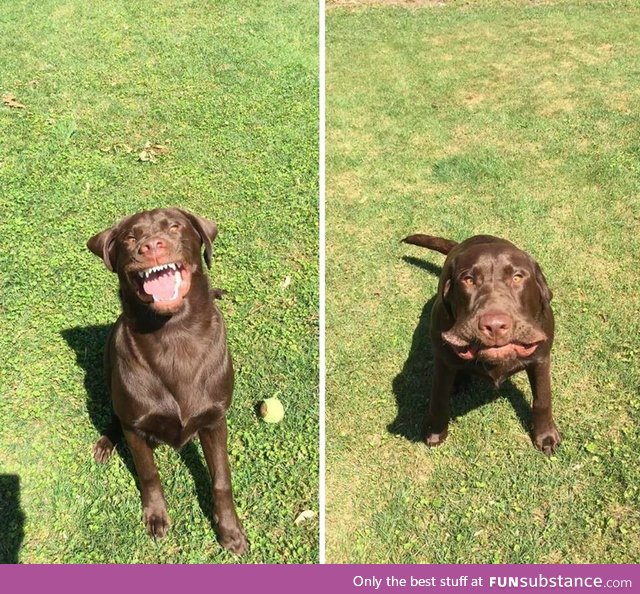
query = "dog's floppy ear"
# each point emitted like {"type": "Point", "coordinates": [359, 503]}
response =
{"type": "Point", "coordinates": [544, 289]}
{"type": "Point", "coordinates": [206, 229]}
{"type": "Point", "coordinates": [103, 244]}
{"type": "Point", "coordinates": [443, 289]}
{"type": "Point", "coordinates": [444, 286]}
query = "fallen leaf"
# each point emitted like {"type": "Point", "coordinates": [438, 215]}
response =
{"type": "Point", "coordinates": [307, 514]}
{"type": "Point", "coordinates": [159, 149]}
{"type": "Point", "coordinates": [286, 282]}
{"type": "Point", "coordinates": [150, 151]}
{"type": "Point", "coordinates": [9, 99]}
{"type": "Point", "coordinates": [146, 156]}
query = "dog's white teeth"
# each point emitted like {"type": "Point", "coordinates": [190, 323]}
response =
{"type": "Point", "coordinates": [145, 273]}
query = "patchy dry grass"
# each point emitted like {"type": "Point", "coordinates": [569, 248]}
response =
{"type": "Point", "coordinates": [482, 117]}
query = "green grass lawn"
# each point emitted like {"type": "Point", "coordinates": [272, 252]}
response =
{"type": "Point", "coordinates": [454, 120]}
{"type": "Point", "coordinates": [230, 88]}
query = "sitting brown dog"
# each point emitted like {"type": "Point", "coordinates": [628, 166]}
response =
{"type": "Point", "coordinates": [168, 368]}
{"type": "Point", "coordinates": [491, 316]}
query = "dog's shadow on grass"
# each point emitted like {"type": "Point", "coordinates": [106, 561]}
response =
{"type": "Point", "coordinates": [412, 386]}
{"type": "Point", "coordinates": [88, 343]}
{"type": "Point", "coordinates": [12, 518]}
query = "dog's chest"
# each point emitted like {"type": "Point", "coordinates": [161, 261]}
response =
{"type": "Point", "coordinates": [167, 424]}
{"type": "Point", "coordinates": [174, 413]}
{"type": "Point", "coordinates": [175, 393]}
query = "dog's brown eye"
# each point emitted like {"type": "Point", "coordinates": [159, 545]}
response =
{"type": "Point", "coordinates": [130, 238]}
{"type": "Point", "coordinates": [174, 227]}
{"type": "Point", "coordinates": [468, 281]}
{"type": "Point", "coordinates": [518, 278]}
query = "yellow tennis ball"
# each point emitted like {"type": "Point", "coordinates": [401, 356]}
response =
{"type": "Point", "coordinates": [271, 410]}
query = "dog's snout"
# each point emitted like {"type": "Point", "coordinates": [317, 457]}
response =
{"type": "Point", "coordinates": [152, 246]}
{"type": "Point", "coordinates": [495, 325]}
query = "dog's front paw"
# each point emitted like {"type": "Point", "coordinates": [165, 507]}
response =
{"type": "Point", "coordinates": [156, 519]}
{"type": "Point", "coordinates": [546, 439]}
{"type": "Point", "coordinates": [233, 539]}
{"type": "Point", "coordinates": [103, 449]}
{"type": "Point", "coordinates": [433, 439]}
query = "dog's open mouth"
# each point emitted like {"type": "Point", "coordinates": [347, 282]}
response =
{"type": "Point", "coordinates": [512, 350]}
{"type": "Point", "coordinates": [164, 285]}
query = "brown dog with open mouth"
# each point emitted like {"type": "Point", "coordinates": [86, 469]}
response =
{"type": "Point", "coordinates": [168, 367]}
{"type": "Point", "coordinates": [491, 316]}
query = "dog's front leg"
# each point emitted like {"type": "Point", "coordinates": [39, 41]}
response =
{"type": "Point", "coordinates": [544, 431]}
{"type": "Point", "coordinates": [214, 445]}
{"type": "Point", "coordinates": [436, 423]}
{"type": "Point", "coordinates": [154, 506]}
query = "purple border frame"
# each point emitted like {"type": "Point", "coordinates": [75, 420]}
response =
{"type": "Point", "coordinates": [311, 579]}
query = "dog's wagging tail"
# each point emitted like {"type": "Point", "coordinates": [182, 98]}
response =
{"type": "Point", "coordinates": [438, 244]}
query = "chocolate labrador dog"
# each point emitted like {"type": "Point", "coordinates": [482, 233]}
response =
{"type": "Point", "coordinates": [168, 368]}
{"type": "Point", "coordinates": [491, 316]}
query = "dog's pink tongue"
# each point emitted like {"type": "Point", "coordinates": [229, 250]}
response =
{"type": "Point", "coordinates": [160, 284]}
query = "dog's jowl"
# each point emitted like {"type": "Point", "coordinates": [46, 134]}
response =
{"type": "Point", "coordinates": [168, 368]}
{"type": "Point", "coordinates": [491, 316]}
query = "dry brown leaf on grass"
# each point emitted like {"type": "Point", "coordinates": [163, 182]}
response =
{"type": "Point", "coordinates": [286, 282]}
{"type": "Point", "coordinates": [150, 151]}
{"type": "Point", "coordinates": [9, 99]}
{"type": "Point", "coordinates": [307, 514]}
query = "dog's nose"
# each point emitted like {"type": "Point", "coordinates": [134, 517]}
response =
{"type": "Point", "coordinates": [149, 247]}
{"type": "Point", "coordinates": [495, 325]}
